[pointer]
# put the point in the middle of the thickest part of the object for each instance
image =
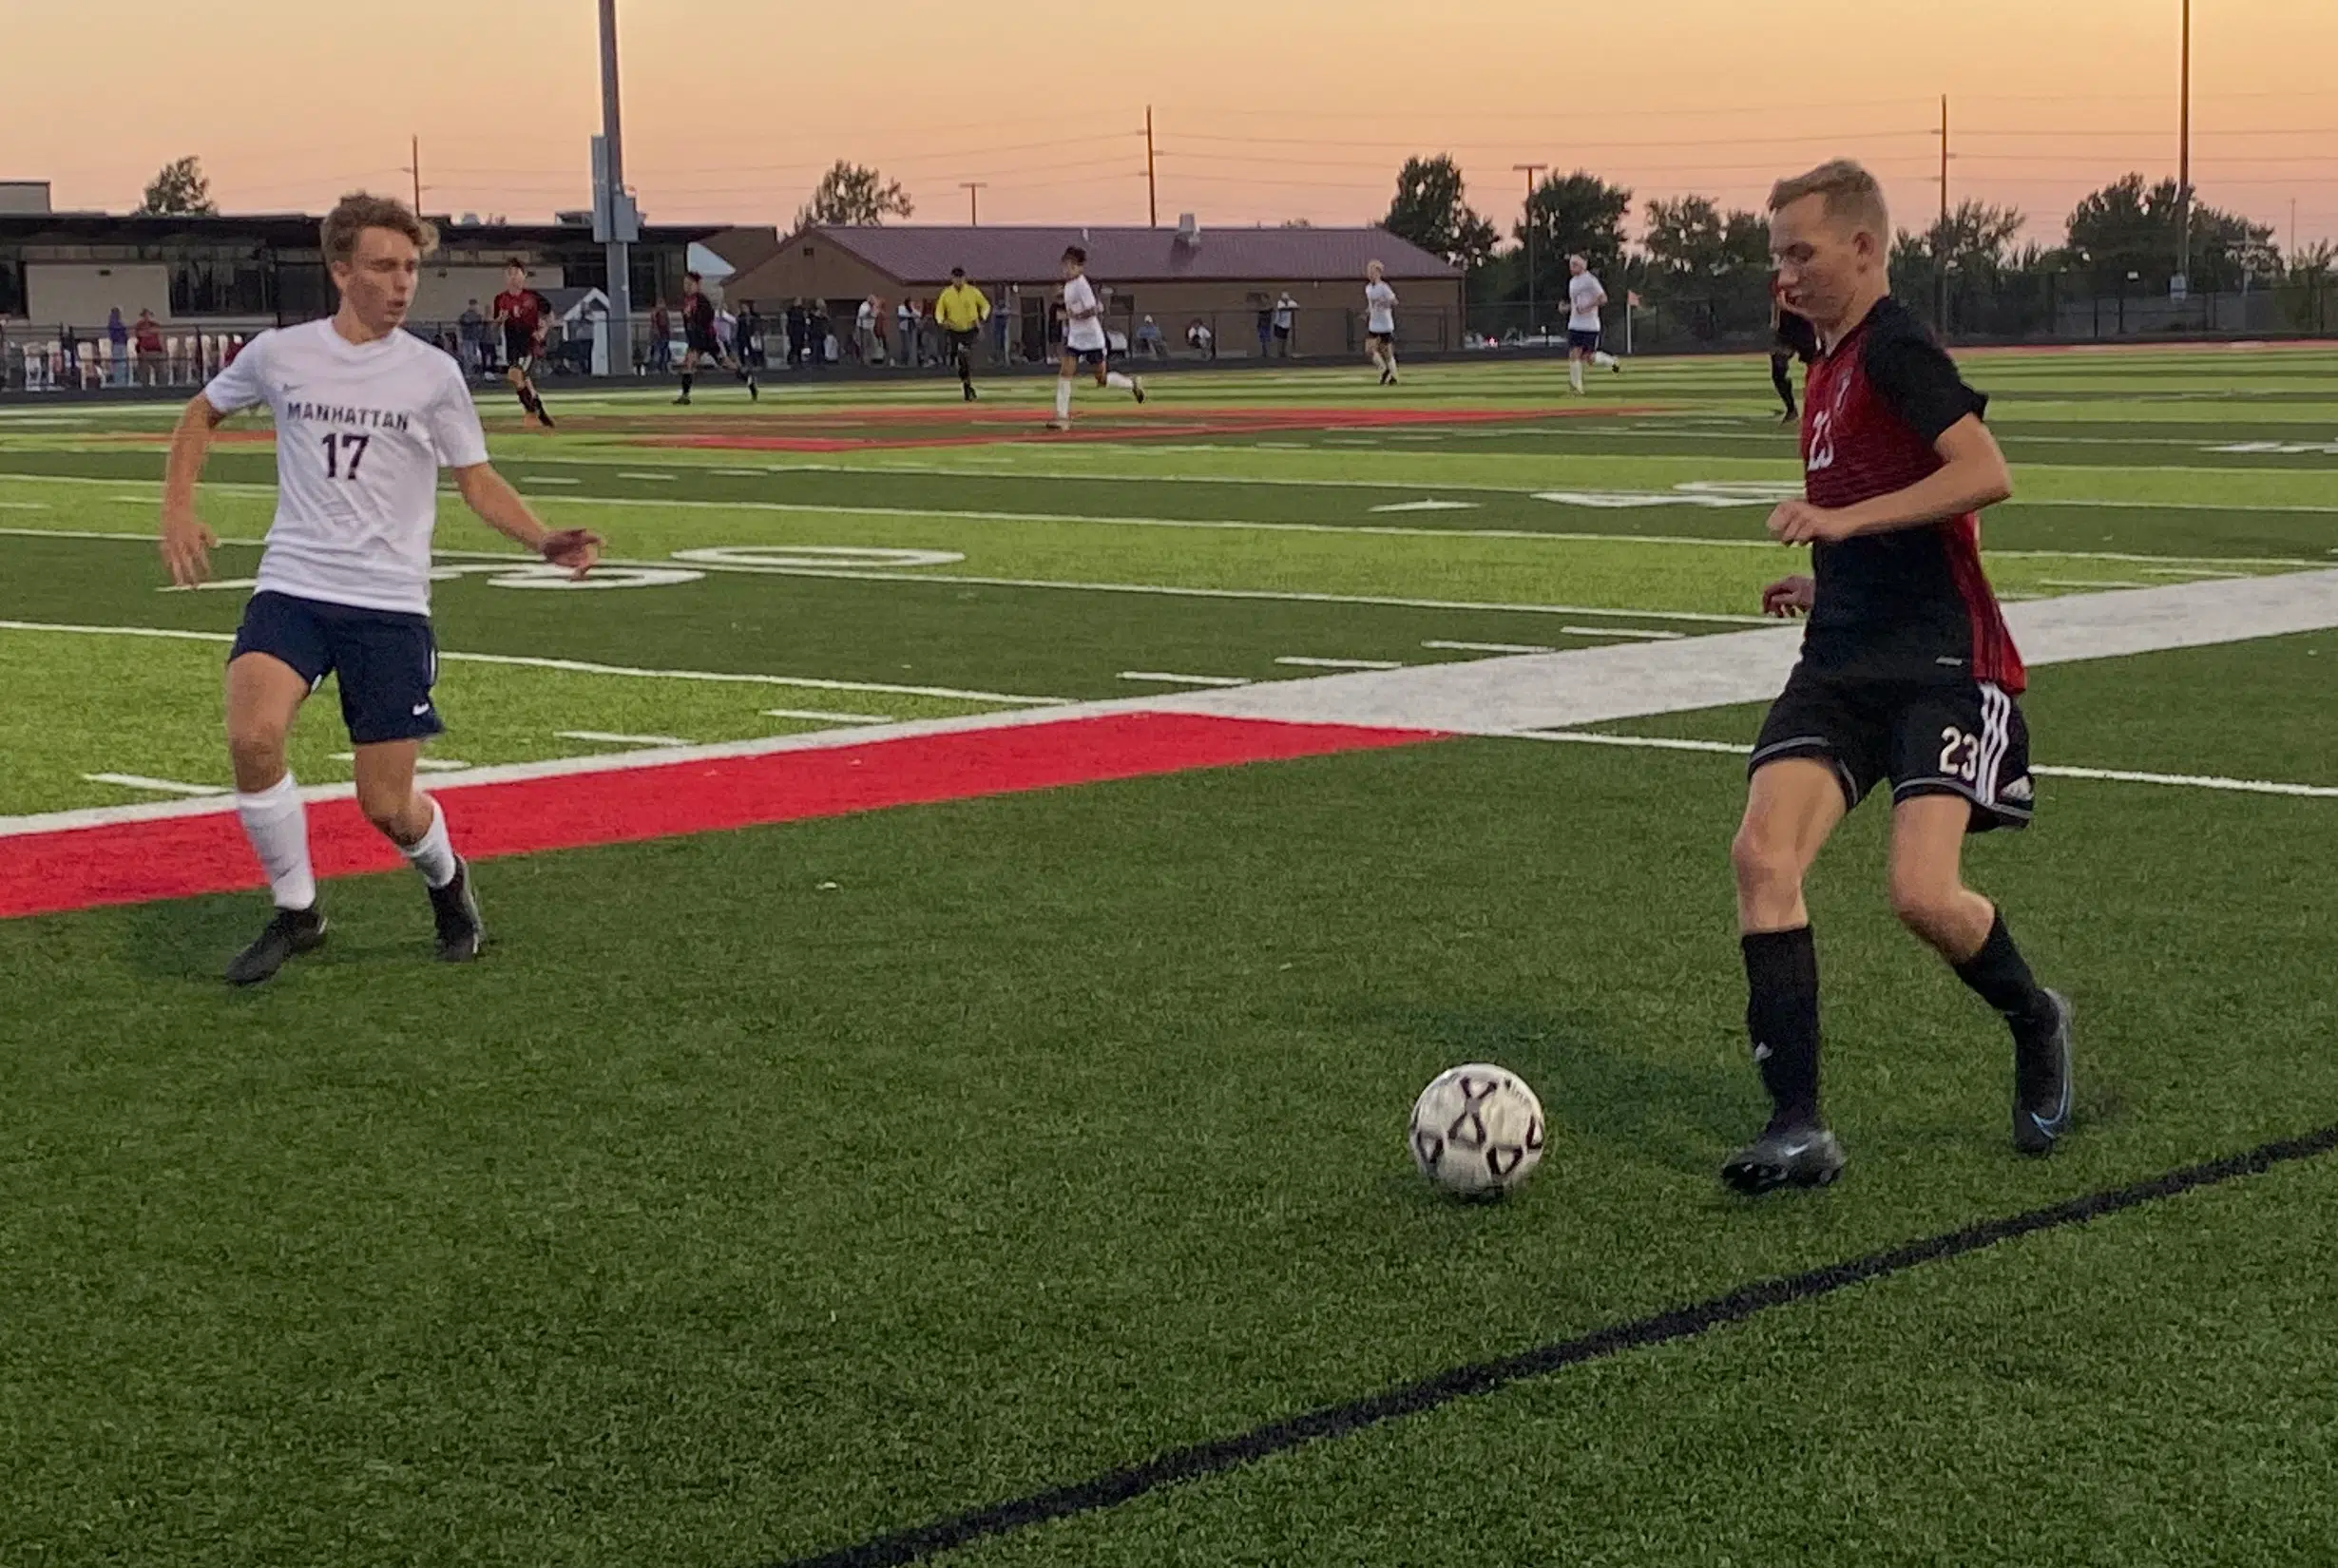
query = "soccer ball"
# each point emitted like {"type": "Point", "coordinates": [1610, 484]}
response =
{"type": "Point", "coordinates": [1477, 1131]}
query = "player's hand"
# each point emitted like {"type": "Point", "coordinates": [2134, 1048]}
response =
{"type": "Point", "coordinates": [575, 548]}
{"type": "Point", "coordinates": [186, 550]}
{"type": "Point", "coordinates": [1790, 597]}
{"type": "Point", "coordinates": [1799, 522]}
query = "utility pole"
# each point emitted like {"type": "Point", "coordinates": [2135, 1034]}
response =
{"type": "Point", "coordinates": [618, 249]}
{"type": "Point", "coordinates": [414, 167]}
{"type": "Point", "coordinates": [973, 189]}
{"type": "Point", "coordinates": [2183, 163]}
{"type": "Point", "coordinates": [1152, 184]}
{"type": "Point", "coordinates": [1940, 234]}
{"type": "Point", "coordinates": [1529, 170]}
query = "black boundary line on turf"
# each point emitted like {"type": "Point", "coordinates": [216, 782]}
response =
{"type": "Point", "coordinates": [1220, 1455]}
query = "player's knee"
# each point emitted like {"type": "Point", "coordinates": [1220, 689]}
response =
{"type": "Point", "coordinates": [384, 805]}
{"type": "Point", "coordinates": [1765, 861]}
{"type": "Point", "coordinates": [1924, 904]}
{"type": "Point", "coordinates": [256, 746]}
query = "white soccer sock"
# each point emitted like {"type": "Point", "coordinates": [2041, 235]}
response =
{"type": "Point", "coordinates": [1575, 374]}
{"type": "Point", "coordinates": [278, 825]}
{"type": "Point", "coordinates": [1114, 378]}
{"type": "Point", "coordinates": [434, 855]}
{"type": "Point", "coordinates": [1063, 398]}
{"type": "Point", "coordinates": [1604, 360]}
{"type": "Point", "coordinates": [1387, 361]}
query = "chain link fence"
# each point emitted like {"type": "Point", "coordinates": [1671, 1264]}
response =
{"type": "Point", "coordinates": [1027, 331]}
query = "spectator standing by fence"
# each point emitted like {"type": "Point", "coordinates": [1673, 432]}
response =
{"type": "Point", "coordinates": [1286, 319]}
{"type": "Point", "coordinates": [148, 336]}
{"type": "Point", "coordinates": [865, 331]}
{"type": "Point", "coordinates": [472, 327]}
{"type": "Point", "coordinates": [116, 348]}
{"type": "Point", "coordinates": [799, 331]}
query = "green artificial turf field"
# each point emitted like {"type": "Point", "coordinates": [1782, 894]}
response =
{"type": "Point", "coordinates": [768, 1193]}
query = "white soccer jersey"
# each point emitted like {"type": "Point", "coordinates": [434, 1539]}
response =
{"type": "Point", "coordinates": [1086, 335]}
{"type": "Point", "coordinates": [361, 431]}
{"type": "Point", "coordinates": [1583, 293]}
{"type": "Point", "coordinates": [1379, 309]}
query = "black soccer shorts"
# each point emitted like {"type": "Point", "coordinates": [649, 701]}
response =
{"type": "Point", "coordinates": [387, 660]}
{"type": "Point", "coordinates": [1965, 737]}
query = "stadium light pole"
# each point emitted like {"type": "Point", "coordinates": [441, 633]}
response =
{"type": "Point", "coordinates": [619, 253]}
{"type": "Point", "coordinates": [1529, 170]}
{"type": "Point", "coordinates": [973, 189]}
{"type": "Point", "coordinates": [2183, 161]}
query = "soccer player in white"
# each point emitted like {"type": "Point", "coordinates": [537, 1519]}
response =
{"type": "Point", "coordinates": [1585, 297]}
{"type": "Point", "coordinates": [1083, 340]}
{"type": "Point", "coordinates": [366, 415]}
{"type": "Point", "coordinates": [1380, 322]}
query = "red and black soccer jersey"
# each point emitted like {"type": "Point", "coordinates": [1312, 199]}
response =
{"type": "Point", "coordinates": [523, 312]}
{"type": "Point", "coordinates": [1911, 605]}
{"type": "Point", "coordinates": [698, 323]}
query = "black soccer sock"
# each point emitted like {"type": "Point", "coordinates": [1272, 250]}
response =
{"type": "Point", "coordinates": [529, 400]}
{"type": "Point", "coordinates": [1781, 1017]}
{"type": "Point", "coordinates": [686, 380]}
{"type": "Point", "coordinates": [2000, 976]}
{"type": "Point", "coordinates": [1783, 379]}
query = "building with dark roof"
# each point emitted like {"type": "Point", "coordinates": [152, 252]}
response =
{"type": "Point", "coordinates": [1224, 279]}
{"type": "Point", "coordinates": [236, 273]}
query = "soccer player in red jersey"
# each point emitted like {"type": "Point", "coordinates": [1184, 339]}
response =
{"type": "Point", "coordinates": [1791, 337]}
{"type": "Point", "coordinates": [701, 344]}
{"type": "Point", "coordinates": [1908, 673]}
{"type": "Point", "coordinates": [523, 312]}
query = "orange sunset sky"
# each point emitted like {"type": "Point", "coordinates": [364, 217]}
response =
{"type": "Point", "coordinates": [1265, 112]}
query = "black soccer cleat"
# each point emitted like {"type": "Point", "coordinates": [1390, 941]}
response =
{"type": "Point", "coordinates": [456, 911]}
{"type": "Point", "coordinates": [682, 402]}
{"type": "Point", "coordinates": [1136, 384]}
{"type": "Point", "coordinates": [754, 393]}
{"type": "Point", "coordinates": [1801, 1154]}
{"type": "Point", "coordinates": [290, 934]}
{"type": "Point", "coordinates": [2041, 1088]}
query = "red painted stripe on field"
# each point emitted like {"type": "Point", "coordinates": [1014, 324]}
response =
{"type": "Point", "coordinates": [183, 856]}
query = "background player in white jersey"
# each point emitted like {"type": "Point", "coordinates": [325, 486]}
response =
{"type": "Point", "coordinates": [1083, 340]}
{"type": "Point", "coordinates": [1380, 323]}
{"type": "Point", "coordinates": [365, 417]}
{"type": "Point", "coordinates": [1585, 297]}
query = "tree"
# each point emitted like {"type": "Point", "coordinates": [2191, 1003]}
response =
{"type": "Point", "coordinates": [1691, 240]}
{"type": "Point", "coordinates": [1430, 211]}
{"type": "Point", "coordinates": [2129, 227]}
{"type": "Point", "coordinates": [1569, 213]}
{"type": "Point", "coordinates": [851, 194]}
{"type": "Point", "coordinates": [179, 189]}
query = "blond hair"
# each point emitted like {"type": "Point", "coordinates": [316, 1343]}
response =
{"type": "Point", "coordinates": [359, 211]}
{"type": "Point", "coordinates": [1851, 193]}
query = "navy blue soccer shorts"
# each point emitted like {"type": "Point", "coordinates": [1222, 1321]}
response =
{"type": "Point", "coordinates": [387, 661]}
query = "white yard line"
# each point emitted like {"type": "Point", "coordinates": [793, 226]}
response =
{"type": "Point", "coordinates": [1450, 646]}
{"type": "Point", "coordinates": [607, 737]}
{"type": "Point", "coordinates": [652, 478]}
{"type": "Point", "coordinates": [824, 715]}
{"type": "Point", "coordinates": [165, 786]}
{"type": "Point", "coordinates": [2088, 582]}
{"type": "Point", "coordinates": [1647, 632]}
{"type": "Point", "coordinates": [1305, 662]}
{"type": "Point", "coordinates": [1163, 678]}
{"type": "Point", "coordinates": [1576, 536]}
{"type": "Point", "coordinates": [578, 666]}
{"type": "Point", "coordinates": [2122, 775]}
{"type": "Point", "coordinates": [1584, 686]}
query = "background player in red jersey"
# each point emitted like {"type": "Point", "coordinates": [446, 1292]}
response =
{"type": "Point", "coordinates": [1791, 337]}
{"type": "Point", "coordinates": [522, 312]}
{"type": "Point", "coordinates": [1908, 673]}
{"type": "Point", "coordinates": [700, 342]}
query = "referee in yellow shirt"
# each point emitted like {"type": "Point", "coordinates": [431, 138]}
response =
{"type": "Point", "coordinates": [960, 311]}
